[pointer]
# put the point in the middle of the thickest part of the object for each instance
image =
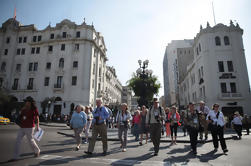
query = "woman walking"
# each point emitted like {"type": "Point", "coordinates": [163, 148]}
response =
{"type": "Point", "coordinates": [78, 122]}
{"type": "Point", "coordinates": [29, 115]}
{"type": "Point", "coordinates": [88, 123]}
{"type": "Point", "coordinates": [136, 123]}
{"type": "Point", "coordinates": [216, 119]}
{"type": "Point", "coordinates": [123, 118]}
{"type": "Point", "coordinates": [174, 118]}
{"type": "Point", "coordinates": [143, 128]}
{"type": "Point", "coordinates": [167, 123]}
{"type": "Point", "coordinates": [237, 124]}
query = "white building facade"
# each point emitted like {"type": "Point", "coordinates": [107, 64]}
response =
{"type": "Point", "coordinates": [216, 72]}
{"type": "Point", "coordinates": [66, 62]}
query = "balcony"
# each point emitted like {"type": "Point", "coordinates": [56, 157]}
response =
{"type": "Point", "coordinates": [230, 96]}
{"type": "Point", "coordinates": [227, 76]}
{"type": "Point", "coordinates": [58, 88]}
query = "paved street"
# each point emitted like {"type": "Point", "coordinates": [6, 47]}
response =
{"type": "Point", "coordinates": [57, 149]}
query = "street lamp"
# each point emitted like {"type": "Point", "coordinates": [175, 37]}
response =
{"type": "Point", "coordinates": [143, 73]}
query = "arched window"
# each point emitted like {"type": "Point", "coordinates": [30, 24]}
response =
{"type": "Point", "coordinates": [217, 41]}
{"type": "Point", "coordinates": [61, 63]}
{"type": "Point", "coordinates": [3, 66]}
{"type": "Point", "coordinates": [226, 40]}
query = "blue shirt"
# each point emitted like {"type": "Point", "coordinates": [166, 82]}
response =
{"type": "Point", "coordinates": [78, 120]}
{"type": "Point", "coordinates": [100, 112]}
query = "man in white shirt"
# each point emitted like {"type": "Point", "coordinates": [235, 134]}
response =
{"type": "Point", "coordinates": [216, 118]}
{"type": "Point", "coordinates": [237, 124]}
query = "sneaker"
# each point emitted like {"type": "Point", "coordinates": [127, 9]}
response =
{"type": "Point", "coordinates": [87, 152]}
{"type": "Point", "coordinates": [225, 150]}
{"type": "Point", "coordinates": [124, 150]}
{"type": "Point", "coordinates": [140, 143]}
{"type": "Point", "coordinates": [77, 148]}
{"type": "Point", "coordinates": [155, 154]}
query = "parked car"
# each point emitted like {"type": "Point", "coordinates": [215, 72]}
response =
{"type": "Point", "coordinates": [4, 120]}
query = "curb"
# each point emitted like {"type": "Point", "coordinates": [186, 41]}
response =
{"type": "Point", "coordinates": [178, 141]}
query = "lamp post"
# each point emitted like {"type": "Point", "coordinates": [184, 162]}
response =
{"type": "Point", "coordinates": [143, 73]}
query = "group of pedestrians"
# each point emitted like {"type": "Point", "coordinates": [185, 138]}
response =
{"type": "Point", "coordinates": [145, 121]}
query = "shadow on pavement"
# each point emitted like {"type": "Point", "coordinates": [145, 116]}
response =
{"type": "Point", "coordinates": [209, 156]}
{"type": "Point", "coordinates": [132, 160]}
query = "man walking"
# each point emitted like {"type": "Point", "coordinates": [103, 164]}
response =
{"type": "Point", "coordinates": [100, 115]}
{"type": "Point", "coordinates": [154, 119]}
{"type": "Point", "coordinates": [204, 110]}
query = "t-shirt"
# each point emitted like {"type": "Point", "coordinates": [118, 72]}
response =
{"type": "Point", "coordinates": [28, 118]}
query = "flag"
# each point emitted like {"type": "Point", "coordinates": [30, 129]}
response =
{"type": "Point", "coordinates": [15, 14]}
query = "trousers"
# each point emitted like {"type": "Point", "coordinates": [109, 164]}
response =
{"type": "Point", "coordinates": [155, 132]}
{"type": "Point", "coordinates": [78, 133]}
{"type": "Point", "coordinates": [218, 132]}
{"type": "Point", "coordinates": [123, 131]}
{"type": "Point", "coordinates": [102, 131]}
{"type": "Point", "coordinates": [29, 132]}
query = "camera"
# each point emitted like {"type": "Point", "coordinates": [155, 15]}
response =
{"type": "Point", "coordinates": [97, 119]}
{"type": "Point", "coordinates": [156, 118]}
{"type": "Point", "coordinates": [125, 123]}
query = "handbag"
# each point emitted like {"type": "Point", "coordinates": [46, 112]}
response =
{"type": "Point", "coordinates": [18, 120]}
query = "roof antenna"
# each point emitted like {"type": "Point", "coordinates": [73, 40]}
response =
{"type": "Point", "coordinates": [213, 12]}
{"type": "Point", "coordinates": [15, 13]}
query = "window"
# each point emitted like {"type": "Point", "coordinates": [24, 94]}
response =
{"type": "Point", "coordinates": [20, 40]}
{"type": "Point", "coordinates": [78, 34]}
{"type": "Point", "coordinates": [23, 51]}
{"type": "Point", "coordinates": [233, 87]}
{"type": "Point", "coordinates": [34, 39]}
{"type": "Point", "coordinates": [30, 84]}
{"type": "Point", "coordinates": [6, 52]}
{"type": "Point", "coordinates": [76, 47]}
{"type": "Point", "coordinates": [92, 83]}
{"type": "Point", "coordinates": [18, 67]}
{"type": "Point", "coordinates": [25, 39]}
{"type": "Point", "coordinates": [226, 40]}
{"type": "Point", "coordinates": [46, 81]}
{"type": "Point", "coordinates": [39, 38]}
{"type": "Point", "coordinates": [221, 66]}
{"type": "Point", "coordinates": [75, 64]}
{"type": "Point", "coordinates": [217, 41]}
{"type": "Point", "coordinates": [30, 66]}
{"type": "Point", "coordinates": [64, 34]}
{"type": "Point", "coordinates": [197, 50]}
{"type": "Point", "coordinates": [74, 80]}
{"type": "Point", "coordinates": [202, 72]}
{"type": "Point", "coordinates": [223, 87]}
{"type": "Point", "coordinates": [59, 81]}
{"type": "Point", "coordinates": [8, 40]}
{"type": "Point", "coordinates": [50, 48]}
{"type": "Point", "coordinates": [3, 66]}
{"type": "Point", "coordinates": [93, 71]}
{"type": "Point", "coordinates": [52, 36]}
{"type": "Point", "coordinates": [38, 50]}
{"type": "Point", "coordinates": [33, 50]}
{"type": "Point", "coordinates": [199, 47]}
{"type": "Point", "coordinates": [35, 66]}
{"type": "Point", "coordinates": [62, 47]}
{"type": "Point", "coordinates": [18, 51]}
{"type": "Point", "coordinates": [100, 71]}
{"type": "Point", "coordinates": [230, 66]}
{"type": "Point", "coordinates": [204, 91]}
{"type": "Point", "coordinates": [15, 84]}
{"type": "Point", "coordinates": [61, 63]}
{"type": "Point", "coordinates": [48, 65]}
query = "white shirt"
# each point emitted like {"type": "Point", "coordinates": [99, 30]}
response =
{"type": "Point", "coordinates": [216, 121]}
{"type": "Point", "coordinates": [120, 118]}
{"type": "Point", "coordinates": [205, 110]}
{"type": "Point", "coordinates": [237, 120]}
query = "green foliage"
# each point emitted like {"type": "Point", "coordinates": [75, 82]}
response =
{"type": "Point", "coordinates": [144, 88]}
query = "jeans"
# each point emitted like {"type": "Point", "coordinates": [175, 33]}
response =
{"type": "Point", "coordinates": [123, 131]}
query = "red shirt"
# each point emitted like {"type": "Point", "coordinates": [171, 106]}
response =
{"type": "Point", "coordinates": [28, 118]}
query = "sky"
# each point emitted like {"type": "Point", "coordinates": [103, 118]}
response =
{"type": "Point", "coordinates": [135, 29]}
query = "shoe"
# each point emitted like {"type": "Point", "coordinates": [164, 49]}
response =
{"type": "Point", "coordinates": [77, 148]}
{"type": "Point", "coordinates": [12, 160]}
{"type": "Point", "coordinates": [89, 153]}
{"type": "Point", "coordinates": [104, 153]}
{"type": "Point", "coordinates": [155, 154]}
{"type": "Point", "coordinates": [86, 142]}
{"type": "Point", "coordinates": [140, 143]}
{"type": "Point", "coordinates": [194, 152]}
{"type": "Point", "coordinates": [124, 150]}
{"type": "Point", "coordinates": [121, 146]}
{"type": "Point", "coordinates": [37, 154]}
{"type": "Point", "coordinates": [225, 150]}
{"type": "Point", "coordinates": [215, 149]}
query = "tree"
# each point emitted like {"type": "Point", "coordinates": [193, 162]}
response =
{"type": "Point", "coordinates": [145, 88]}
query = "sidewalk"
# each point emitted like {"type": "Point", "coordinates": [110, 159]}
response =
{"type": "Point", "coordinates": [112, 135]}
